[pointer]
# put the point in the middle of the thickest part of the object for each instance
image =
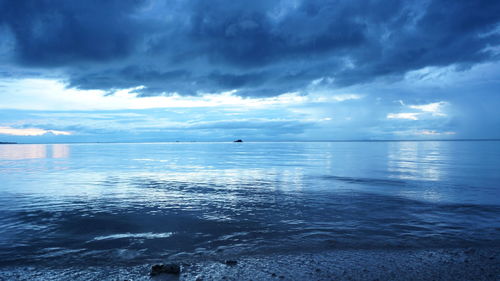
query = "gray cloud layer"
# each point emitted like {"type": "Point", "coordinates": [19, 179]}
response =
{"type": "Point", "coordinates": [262, 48]}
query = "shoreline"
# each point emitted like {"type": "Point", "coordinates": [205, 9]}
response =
{"type": "Point", "coordinates": [394, 264]}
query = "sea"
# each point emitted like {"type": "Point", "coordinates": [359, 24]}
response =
{"type": "Point", "coordinates": [137, 203]}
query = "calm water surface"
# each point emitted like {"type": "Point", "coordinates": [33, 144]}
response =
{"type": "Point", "coordinates": [135, 203]}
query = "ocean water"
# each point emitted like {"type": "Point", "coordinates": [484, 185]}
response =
{"type": "Point", "coordinates": [95, 204]}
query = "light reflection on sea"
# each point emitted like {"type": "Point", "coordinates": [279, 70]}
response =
{"type": "Point", "coordinates": [96, 203]}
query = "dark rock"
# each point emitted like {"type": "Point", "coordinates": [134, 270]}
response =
{"type": "Point", "coordinates": [231, 262]}
{"type": "Point", "coordinates": [238, 141]}
{"type": "Point", "coordinates": [273, 274]}
{"type": "Point", "coordinates": [171, 268]}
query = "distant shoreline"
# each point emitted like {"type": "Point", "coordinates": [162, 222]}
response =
{"type": "Point", "coordinates": [260, 141]}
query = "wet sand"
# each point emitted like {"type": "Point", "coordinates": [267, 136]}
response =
{"type": "Point", "coordinates": [431, 264]}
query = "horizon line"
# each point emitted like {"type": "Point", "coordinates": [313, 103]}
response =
{"type": "Point", "coordinates": [252, 141]}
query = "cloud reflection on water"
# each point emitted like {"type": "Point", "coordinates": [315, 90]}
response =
{"type": "Point", "coordinates": [20, 152]}
{"type": "Point", "coordinates": [34, 151]}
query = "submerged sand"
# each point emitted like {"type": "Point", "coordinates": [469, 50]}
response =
{"type": "Point", "coordinates": [431, 264]}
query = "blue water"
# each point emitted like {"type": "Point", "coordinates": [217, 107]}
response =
{"type": "Point", "coordinates": [136, 203]}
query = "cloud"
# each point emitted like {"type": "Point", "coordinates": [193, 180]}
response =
{"type": "Point", "coordinates": [277, 125]}
{"type": "Point", "coordinates": [31, 132]}
{"type": "Point", "coordinates": [430, 110]}
{"type": "Point", "coordinates": [345, 97]}
{"type": "Point", "coordinates": [259, 48]}
{"type": "Point", "coordinates": [54, 33]}
{"type": "Point", "coordinates": [434, 133]}
{"type": "Point", "coordinates": [404, 115]}
{"type": "Point", "coordinates": [433, 108]}
{"type": "Point", "coordinates": [47, 94]}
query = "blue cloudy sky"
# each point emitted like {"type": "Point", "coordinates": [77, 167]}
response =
{"type": "Point", "coordinates": [213, 70]}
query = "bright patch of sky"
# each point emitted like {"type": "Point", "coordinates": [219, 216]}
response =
{"type": "Point", "coordinates": [31, 132]}
{"type": "Point", "coordinates": [46, 110]}
{"type": "Point", "coordinates": [44, 94]}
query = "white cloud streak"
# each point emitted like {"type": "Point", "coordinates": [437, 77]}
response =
{"type": "Point", "coordinates": [31, 132]}
{"type": "Point", "coordinates": [345, 97]}
{"type": "Point", "coordinates": [45, 94]}
{"type": "Point", "coordinates": [434, 133]}
{"type": "Point", "coordinates": [404, 115]}
{"type": "Point", "coordinates": [434, 108]}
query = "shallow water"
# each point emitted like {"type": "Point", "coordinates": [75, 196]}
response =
{"type": "Point", "coordinates": [135, 203]}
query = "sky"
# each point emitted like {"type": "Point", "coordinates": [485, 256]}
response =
{"type": "Point", "coordinates": [213, 70]}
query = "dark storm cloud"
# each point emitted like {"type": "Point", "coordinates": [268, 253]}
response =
{"type": "Point", "coordinates": [59, 32]}
{"type": "Point", "coordinates": [262, 48]}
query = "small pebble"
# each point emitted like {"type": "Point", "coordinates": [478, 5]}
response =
{"type": "Point", "coordinates": [231, 262]}
{"type": "Point", "coordinates": [171, 268]}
